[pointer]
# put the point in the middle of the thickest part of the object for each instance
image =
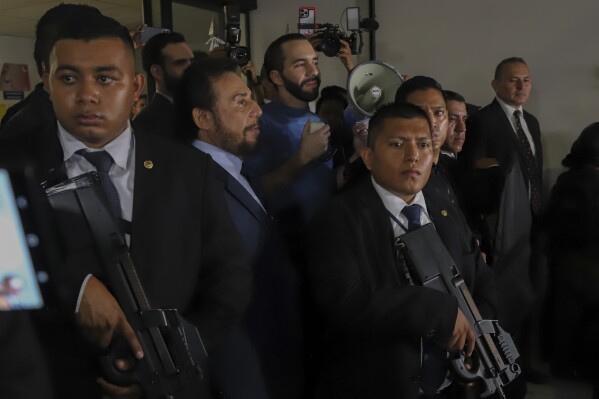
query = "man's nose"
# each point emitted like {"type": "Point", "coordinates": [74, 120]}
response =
{"type": "Point", "coordinates": [433, 120]}
{"type": "Point", "coordinates": [411, 154]}
{"type": "Point", "coordinates": [255, 111]}
{"type": "Point", "coordinates": [88, 91]}
{"type": "Point", "coordinates": [312, 70]}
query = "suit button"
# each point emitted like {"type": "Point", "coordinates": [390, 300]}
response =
{"type": "Point", "coordinates": [430, 334]}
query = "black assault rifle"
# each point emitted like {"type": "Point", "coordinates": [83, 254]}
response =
{"type": "Point", "coordinates": [173, 350]}
{"type": "Point", "coordinates": [426, 261]}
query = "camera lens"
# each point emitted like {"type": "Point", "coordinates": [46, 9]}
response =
{"type": "Point", "coordinates": [240, 55]}
{"type": "Point", "coordinates": [331, 45]}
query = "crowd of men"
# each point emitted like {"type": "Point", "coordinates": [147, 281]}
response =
{"type": "Point", "coordinates": [245, 217]}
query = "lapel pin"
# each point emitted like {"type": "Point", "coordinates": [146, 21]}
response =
{"type": "Point", "coordinates": [148, 164]}
{"type": "Point", "coordinates": [443, 212]}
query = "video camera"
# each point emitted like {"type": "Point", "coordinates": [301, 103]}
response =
{"type": "Point", "coordinates": [239, 54]}
{"type": "Point", "coordinates": [330, 35]}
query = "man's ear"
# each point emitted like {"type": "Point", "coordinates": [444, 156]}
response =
{"type": "Point", "coordinates": [202, 118]}
{"type": "Point", "coordinates": [157, 72]}
{"type": "Point", "coordinates": [46, 82]}
{"type": "Point", "coordinates": [275, 77]}
{"type": "Point", "coordinates": [139, 82]}
{"type": "Point", "coordinates": [366, 155]}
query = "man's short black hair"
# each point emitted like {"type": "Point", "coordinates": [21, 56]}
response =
{"type": "Point", "coordinates": [274, 58]}
{"type": "Point", "coordinates": [195, 90]}
{"type": "Point", "coordinates": [417, 83]}
{"type": "Point", "coordinates": [93, 27]}
{"type": "Point", "coordinates": [334, 93]}
{"type": "Point", "coordinates": [389, 111]}
{"type": "Point", "coordinates": [48, 26]}
{"type": "Point", "coordinates": [152, 51]}
{"type": "Point", "coordinates": [453, 96]}
{"type": "Point", "coordinates": [585, 150]}
{"type": "Point", "coordinates": [503, 63]}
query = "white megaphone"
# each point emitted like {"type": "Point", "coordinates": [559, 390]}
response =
{"type": "Point", "coordinates": [370, 85]}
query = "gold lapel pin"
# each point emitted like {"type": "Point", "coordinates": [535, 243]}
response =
{"type": "Point", "coordinates": [444, 212]}
{"type": "Point", "coordinates": [148, 164]}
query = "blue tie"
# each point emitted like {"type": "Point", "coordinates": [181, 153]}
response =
{"type": "Point", "coordinates": [412, 213]}
{"type": "Point", "coordinates": [103, 161]}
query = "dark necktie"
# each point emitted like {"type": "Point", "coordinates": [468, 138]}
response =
{"type": "Point", "coordinates": [103, 161]}
{"type": "Point", "coordinates": [531, 172]}
{"type": "Point", "coordinates": [434, 359]}
{"type": "Point", "coordinates": [412, 213]}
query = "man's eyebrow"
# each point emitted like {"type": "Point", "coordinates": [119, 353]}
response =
{"type": "Point", "coordinates": [107, 68]}
{"type": "Point", "coordinates": [64, 67]}
{"type": "Point", "coordinates": [306, 58]}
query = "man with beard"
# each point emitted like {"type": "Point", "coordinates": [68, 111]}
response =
{"type": "Point", "coordinates": [295, 177]}
{"type": "Point", "coordinates": [222, 120]}
{"type": "Point", "coordinates": [165, 57]}
{"type": "Point", "coordinates": [291, 157]}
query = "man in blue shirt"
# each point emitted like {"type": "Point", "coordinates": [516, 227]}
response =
{"type": "Point", "coordinates": [295, 177]}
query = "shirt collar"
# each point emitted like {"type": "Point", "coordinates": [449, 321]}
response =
{"type": "Point", "coordinates": [393, 203]}
{"type": "Point", "coordinates": [169, 98]}
{"type": "Point", "coordinates": [231, 163]}
{"type": "Point", "coordinates": [449, 153]}
{"type": "Point", "coordinates": [508, 109]}
{"type": "Point", "coordinates": [118, 148]}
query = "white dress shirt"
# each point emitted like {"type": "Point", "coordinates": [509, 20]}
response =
{"type": "Point", "coordinates": [394, 205]}
{"type": "Point", "coordinates": [509, 112]}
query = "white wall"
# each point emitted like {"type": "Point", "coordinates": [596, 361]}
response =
{"type": "Point", "coordinates": [459, 43]}
{"type": "Point", "coordinates": [17, 50]}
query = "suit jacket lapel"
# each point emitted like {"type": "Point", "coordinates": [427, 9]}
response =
{"type": "Point", "coordinates": [239, 192]}
{"type": "Point", "coordinates": [50, 156]}
{"type": "Point", "coordinates": [377, 218]}
{"type": "Point", "coordinates": [145, 191]}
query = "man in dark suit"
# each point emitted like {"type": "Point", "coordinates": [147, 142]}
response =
{"type": "Point", "coordinates": [35, 111]}
{"type": "Point", "coordinates": [376, 321]}
{"type": "Point", "coordinates": [505, 158]}
{"type": "Point", "coordinates": [165, 57]}
{"type": "Point", "coordinates": [182, 240]}
{"type": "Point", "coordinates": [223, 122]}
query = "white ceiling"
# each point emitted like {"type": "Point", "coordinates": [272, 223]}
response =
{"type": "Point", "coordinates": [19, 17]}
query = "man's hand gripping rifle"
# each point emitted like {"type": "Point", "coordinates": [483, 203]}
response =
{"type": "Point", "coordinates": [173, 350]}
{"type": "Point", "coordinates": [427, 262]}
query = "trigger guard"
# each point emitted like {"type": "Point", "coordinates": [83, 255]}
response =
{"type": "Point", "coordinates": [108, 371]}
{"type": "Point", "coordinates": [458, 366]}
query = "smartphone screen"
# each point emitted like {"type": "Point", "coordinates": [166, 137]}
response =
{"type": "Point", "coordinates": [149, 31]}
{"type": "Point", "coordinates": [19, 287]}
{"type": "Point", "coordinates": [353, 18]}
{"type": "Point", "coordinates": [307, 20]}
